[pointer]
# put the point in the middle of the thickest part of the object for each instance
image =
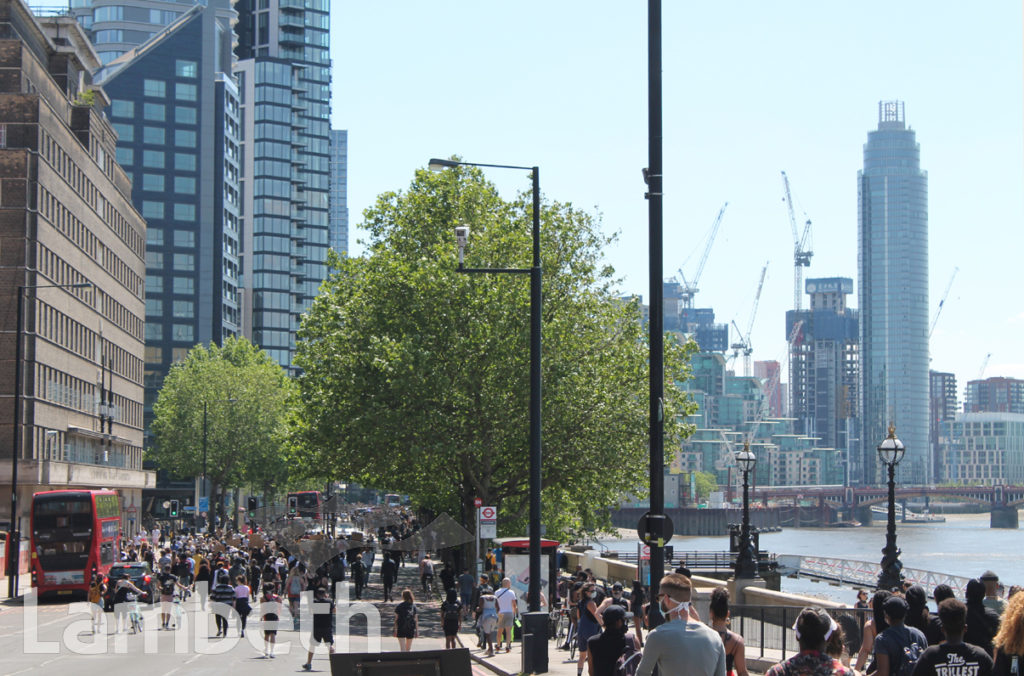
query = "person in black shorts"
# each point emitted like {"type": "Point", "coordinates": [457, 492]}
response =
{"type": "Point", "coordinates": [322, 622]}
{"type": "Point", "coordinates": [269, 608]}
{"type": "Point", "coordinates": [451, 618]}
{"type": "Point", "coordinates": [406, 621]}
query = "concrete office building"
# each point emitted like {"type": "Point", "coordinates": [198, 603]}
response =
{"type": "Point", "coordinates": [66, 217]}
{"type": "Point", "coordinates": [892, 259]}
{"type": "Point", "coordinates": [824, 364]}
{"type": "Point", "coordinates": [995, 395]}
{"type": "Point", "coordinates": [983, 448]}
{"type": "Point", "coordinates": [338, 231]}
{"type": "Point", "coordinates": [284, 77]}
{"type": "Point", "coordinates": [176, 109]}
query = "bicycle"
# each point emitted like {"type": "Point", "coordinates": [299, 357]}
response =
{"type": "Point", "coordinates": [135, 617]}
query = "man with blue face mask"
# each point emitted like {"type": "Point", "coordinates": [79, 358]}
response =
{"type": "Point", "coordinates": [679, 645]}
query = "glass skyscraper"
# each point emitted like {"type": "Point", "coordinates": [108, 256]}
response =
{"type": "Point", "coordinates": [116, 26]}
{"type": "Point", "coordinates": [338, 230]}
{"type": "Point", "coordinates": [284, 76]}
{"type": "Point", "coordinates": [176, 111]}
{"type": "Point", "coordinates": [892, 231]}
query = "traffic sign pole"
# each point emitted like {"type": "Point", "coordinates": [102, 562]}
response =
{"type": "Point", "coordinates": [476, 564]}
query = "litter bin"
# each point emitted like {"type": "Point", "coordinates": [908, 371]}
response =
{"type": "Point", "coordinates": [535, 643]}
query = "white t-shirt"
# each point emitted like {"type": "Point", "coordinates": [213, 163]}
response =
{"type": "Point", "coordinates": [505, 597]}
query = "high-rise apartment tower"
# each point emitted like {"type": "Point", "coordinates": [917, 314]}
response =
{"type": "Point", "coordinates": [892, 258]}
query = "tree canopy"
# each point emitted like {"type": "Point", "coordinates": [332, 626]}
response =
{"type": "Point", "coordinates": [416, 377]}
{"type": "Point", "coordinates": [247, 397]}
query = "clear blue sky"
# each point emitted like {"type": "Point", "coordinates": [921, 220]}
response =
{"type": "Point", "coordinates": [750, 88]}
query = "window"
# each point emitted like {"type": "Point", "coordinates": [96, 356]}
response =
{"type": "Point", "coordinates": [184, 238]}
{"type": "Point", "coordinates": [184, 308]}
{"type": "Point", "coordinates": [184, 68]}
{"type": "Point", "coordinates": [184, 285]}
{"type": "Point", "coordinates": [152, 209]}
{"type": "Point", "coordinates": [119, 108]}
{"type": "Point", "coordinates": [153, 159]}
{"type": "Point", "coordinates": [155, 112]}
{"type": "Point", "coordinates": [125, 132]}
{"type": "Point", "coordinates": [154, 260]}
{"type": "Point", "coordinates": [125, 155]}
{"type": "Point", "coordinates": [184, 212]}
{"type": "Point", "coordinates": [154, 135]}
{"type": "Point", "coordinates": [153, 182]}
{"type": "Point", "coordinates": [185, 185]}
{"type": "Point", "coordinates": [154, 307]}
{"type": "Point", "coordinates": [184, 115]}
{"type": "Point", "coordinates": [184, 262]}
{"type": "Point", "coordinates": [184, 161]}
{"type": "Point", "coordinates": [154, 331]}
{"type": "Point", "coordinates": [154, 236]}
{"type": "Point", "coordinates": [184, 138]}
{"type": "Point", "coordinates": [154, 284]}
{"type": "Point", "coordinates": [154, 88]}
{"type": "Point", "coordinates": [154, 355]}
{"type": "Point", "coordinates": [108, 36]}
{"type": "Point", "coordinates": [184, 92]}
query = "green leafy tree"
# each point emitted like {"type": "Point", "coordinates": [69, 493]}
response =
{"type": "Point", "coordinates": [247, 397]}
{"type": "Point", "coordinates": [416, 377]}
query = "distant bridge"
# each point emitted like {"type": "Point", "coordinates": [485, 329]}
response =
{"type": "Point", "coordinates": [854, 502]}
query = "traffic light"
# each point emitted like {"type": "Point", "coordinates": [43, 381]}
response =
{"type": "Point", "coordinates": [175, 506]}
{"type": "Point", "coordinates": [252, 504]}
{"type": "Point", "coordinates": [293, 504]}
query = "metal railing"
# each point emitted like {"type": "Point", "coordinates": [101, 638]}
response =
{"type": "Point", "coordinates": [767, 631]}
{"type": "Point", "coordinates": [865, 573]}
{"type": "Point", "coordinates": [703, 560]}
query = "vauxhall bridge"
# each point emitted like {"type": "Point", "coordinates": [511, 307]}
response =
{"type": "Point", "coordinates": [848, 503]}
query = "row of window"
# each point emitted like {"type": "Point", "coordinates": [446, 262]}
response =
{"type": "Point", "coordinates": [180, 309]}
{"type": "Point", "coordinates": [57, 387]}
{"type": "Point", "coordinates": [151, 112]}
{"type": "Point", "coordinates": [179, 333]}
{"type": "Point", "coordinates": [54, 211]}
{"type": "Point", "coordinates": [156, 159]}
{"type": "Point", "coordinates": [182, 286]}
{"type": "Point", "coordinates": [182, 238]}
{"type": "Point", "coordinates": [180, 211]}
{"type": "Point", "coordinates": [183, 185]}
{"type": "Point", "coordinates": [183, 91]}
{"type": "Point", "coordinates": [119, 315]}
{"type": "Point", "coordinates": [62, 163]}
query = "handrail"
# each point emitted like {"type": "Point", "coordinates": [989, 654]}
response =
{"type": "Point", "coordinates": [863, 572]}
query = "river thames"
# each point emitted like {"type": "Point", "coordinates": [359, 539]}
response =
{"type": "Point", "coordinates": [964, 545]}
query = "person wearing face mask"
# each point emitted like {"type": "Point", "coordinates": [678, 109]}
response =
{"type": "Point", "coordinates": [589, 623]}
{"type": "Point", "coordinates": [681, 646]}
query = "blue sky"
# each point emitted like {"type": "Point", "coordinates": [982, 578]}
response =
{"type": "Point", "coordinates": [750, 88]}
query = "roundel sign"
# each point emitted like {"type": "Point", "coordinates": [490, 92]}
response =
{"type": "Point", "coordinates": [478, 503]}
{"type": "Point", "coordinates": [488, 513]}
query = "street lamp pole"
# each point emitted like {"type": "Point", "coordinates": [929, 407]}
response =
{"type": "Point", "coordinates": [891, 451]}
{"type": "Point", "coordinates": [14, 531]}
{"type": "Point", "coordinates": [534, 588]}
{"type": "Point", "coordinates": [746, 562]}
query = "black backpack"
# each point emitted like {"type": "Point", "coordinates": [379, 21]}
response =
{"type": "Point", "coordinates": [406, 618]}
{"type": "Point", "coordinates": [451, 612]}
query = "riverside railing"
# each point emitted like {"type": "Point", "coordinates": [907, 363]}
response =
{"type": "Point", "coordinates": [767, 631]}
{"type": "Point", "coordinates": [862, 573]}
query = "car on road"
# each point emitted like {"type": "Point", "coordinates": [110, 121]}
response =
{"type": "Point", "coordinates": [140, 575]}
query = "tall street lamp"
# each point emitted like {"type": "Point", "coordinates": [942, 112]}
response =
{"type": "Point", "coordinates": [14, 531]}
{"type": "Point", "coordinates": [891, 451]}
{"type": "Point", "coordinates": [229, 400]}
{"type": "Point", "coordinates": [746, 562]}
{"type": "Point", "coordinates": [535, 622]}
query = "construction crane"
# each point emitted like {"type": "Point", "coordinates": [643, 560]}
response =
{"type": "Point", "coordinates": [801, 246]}
{"type": "Point", "coordinates": [689, 287]}
{"type": "Point", "coordinates": [942, 302]}
{"type": "Point", "coordinates": [984, 365]}
{"type": "Point", "coordinates": [742, 343]}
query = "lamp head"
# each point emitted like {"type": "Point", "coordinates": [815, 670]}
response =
{"type": "Point", "coordinates": [891, 450]}
{"type": "Point", "coordinates": [746, 459]}
{"type": "Point", "coordinates": [436, 164]}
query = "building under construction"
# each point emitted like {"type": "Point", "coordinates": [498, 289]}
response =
{"type": "Point", "coordinates": [824, 363]}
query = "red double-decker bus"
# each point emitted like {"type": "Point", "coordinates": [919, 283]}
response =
{"type": "Point", "coordinates": [73, 533]}
{"type": "Point", "coordinates": [306, 504]}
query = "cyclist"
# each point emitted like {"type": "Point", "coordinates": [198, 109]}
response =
{"type": "Point", "coordinates": [126, 596]}
{"type": "Point", "coordinates": [168, 583]}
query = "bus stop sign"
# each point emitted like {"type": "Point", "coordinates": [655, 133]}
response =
{"type": "Point", "coordinates": [654, 529]}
